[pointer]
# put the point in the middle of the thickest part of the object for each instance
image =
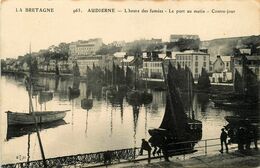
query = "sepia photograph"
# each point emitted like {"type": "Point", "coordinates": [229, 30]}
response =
{"type": "Point", "coordinates": [112, 83]}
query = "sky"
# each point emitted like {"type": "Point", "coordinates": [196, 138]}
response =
{"type": "Point", "coordinates": [19, 29]}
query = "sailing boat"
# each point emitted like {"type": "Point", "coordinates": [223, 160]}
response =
{"type": "Point", "coordinates": [118, 88]}
{"type": "Point", "coordinates": [87, 103]}
{"type": "Point", "coordinates": [176, 126]}
{"type": "Point", "coordinates": [38, 117]}
{"type": "Point", "coordinates": [74, 91]}
{"type": "Point", "coordinates": [19, 118]}
{"type": "Point", "coordinates": [137, 97]}
{"type": "Point", "coordinates": [246, 90]}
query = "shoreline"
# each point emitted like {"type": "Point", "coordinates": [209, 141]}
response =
{"type": "Point", "coordinates": [216, 88]}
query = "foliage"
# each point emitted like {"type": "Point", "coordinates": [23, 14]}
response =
{"type": "Point", "coordinates": [104, 50]}
{"type": "Point", "coordinates": [153, 47]}
{"type": "Point", "coordinates": [135, 50]}
{"type": "Point", "coordinates": [229, 46]}
{"type": "Point", "coordinates": [184, 44]}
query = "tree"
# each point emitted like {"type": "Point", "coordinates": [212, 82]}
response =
{"type": "Point", "coordinates": [203, 81]}
{"type": "Point", "coordinates": [135, 50]}
{"type": "Point", "coordinates": [184, 44]}
{"type": "Point", "coordinates": [104, 50]}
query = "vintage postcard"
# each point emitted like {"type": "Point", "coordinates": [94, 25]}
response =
{"type": "Point", "coordinates": [138, 83]}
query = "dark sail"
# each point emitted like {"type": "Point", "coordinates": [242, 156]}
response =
{"type": "Point", "coordinates": [175, 119]}
{"type": "Point", "coordinates": [246, 83]}
{"type": "Point", "coordinates": [238, 85]}
{"type": "Point", "coordinates": [250, 84]}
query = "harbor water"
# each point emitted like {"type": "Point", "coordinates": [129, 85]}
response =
{"type": "Point", "coordinates": [106, 126]}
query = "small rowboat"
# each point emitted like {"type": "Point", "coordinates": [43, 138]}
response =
{"type": "Point", "coordinates": [16, 118]}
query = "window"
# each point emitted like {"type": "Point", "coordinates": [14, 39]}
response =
{"type": "Point", "coordinates": [196, 70]}
{"type": "Point", "coordinates": [196, 64]}
{"type": "Point", "coordinates": [196, 76]}
{"type": "Point", "coordinates": [196, 57]}
{"type": "Point", "coordinates": [204, 64]}
{"type": "Point", "coordinates": [204, 58]}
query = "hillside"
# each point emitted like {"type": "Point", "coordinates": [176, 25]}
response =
{"type": "Point", "coordinates": [225, 46]}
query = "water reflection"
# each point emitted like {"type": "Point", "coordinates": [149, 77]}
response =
{"type": "Point", "coordinates": [45, 96]}
{"type": "Point", "coordinates": [203, 101]}
{"type": "Point", "coordinates": [14, 131]}
{"type": "Point", "coordinates": [136, 110]}
{"type": "Point", "coordinates": [57, 81]}
{"type": "Point", "coordinates": [110, 123]}
{"type": "Point", "coordinates": [74, 91]}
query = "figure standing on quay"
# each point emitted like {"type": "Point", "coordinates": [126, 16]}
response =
{"type": "Point", "coordinates": [145, 146]}
{"type": "Point", "coordinates": [223, 140]}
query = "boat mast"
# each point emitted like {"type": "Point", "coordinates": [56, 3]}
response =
{"type": "Point", "coordinates": [29, 83]}
{"type": "Point", "coordinates": [189, 96]}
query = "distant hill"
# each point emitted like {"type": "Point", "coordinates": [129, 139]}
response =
{"type": "Point", "coordinates": [225, 46]}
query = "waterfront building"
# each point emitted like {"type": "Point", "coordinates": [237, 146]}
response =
{"type": "Point", "coordinates": [222, 63]}
{"type": "Point", "coordinates": [25, 66]}
{"type": "Point", "coordinates": [52, 65]}
{"type": "Point", "coordinates": [84, 48]}
{"type": "Point", "coordinates": [43, 66]}
{"type": "Point", "coordinates": [193, 60]}
{"type": "Point", "coordinates": [152, 64]}
{"type": "Point", "coordinates": [10, 64]}
{"type": "Point", "coordinates": [40, 59]}
{"type": "Point", "coordinates": [153, 69]}
{"type": "Point", "coordinates": [177, 37]}
{"type": "Point", "coordinates": [64, 66]}
{"type": "Point", "coordinates": [221, 71]}
{"type": "Point", "coordinates": [220, 77]}
{"type": "Point", "coordinates": [129, 61]}
{"type": "Point", "coordinates": [118, 57]}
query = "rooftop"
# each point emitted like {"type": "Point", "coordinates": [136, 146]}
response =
{"type": "Point", "coordinates": [226, 58]}
{"type": "Point", "coordinates": [128, 59]}
{"type": "Point", "coordinates": [192, 52]}
{"type": "Point", "coordinates": [253, 58]}
{"type": "Point", "coordinates": [120, 54]}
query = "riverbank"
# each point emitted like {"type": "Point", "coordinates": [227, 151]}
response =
{"type": "Point", "coordinates": [232, 159]}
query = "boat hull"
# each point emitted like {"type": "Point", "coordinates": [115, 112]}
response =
{"type": "Point", "coordinates": [235, 105]}
{"type": "Point", "coordinates": [16, 118]}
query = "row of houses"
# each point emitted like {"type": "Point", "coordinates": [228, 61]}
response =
{"type": "Point", "coordinates": [83, 53]}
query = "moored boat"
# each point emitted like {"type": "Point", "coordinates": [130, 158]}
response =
{"type": "Point", "coordinates": [238, 119]}
{"type": "Point", "coordinates": [176, 127]}
{"type": "Point", "coordinates": [235, 104]}
{"type": "Point", "coordinates": [17, 118]}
